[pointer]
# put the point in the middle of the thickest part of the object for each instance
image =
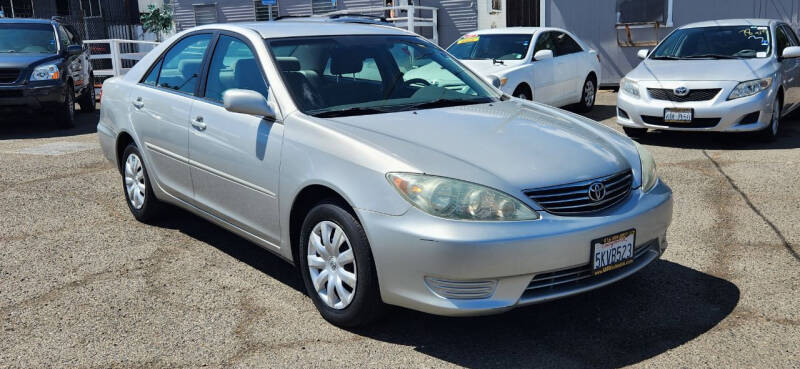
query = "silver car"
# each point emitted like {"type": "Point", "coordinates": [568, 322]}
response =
{"type": "Point", "coordinates": [308, 140]}
{"type": "Point", "coordinates": [737, 75]}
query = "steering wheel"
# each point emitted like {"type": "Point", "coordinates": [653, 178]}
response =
{"type": "Point", "coordinates": [418, 81]}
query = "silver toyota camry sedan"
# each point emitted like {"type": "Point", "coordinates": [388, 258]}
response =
{"type": "Point", "coordinates": [311, 141]}
{"type": "Point", "coordinates": [738, 75]}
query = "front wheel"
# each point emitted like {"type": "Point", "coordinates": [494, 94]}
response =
{"type": "Point", "coordinates": [88, 100]}
{"type": "Point", "coordinates": [337, 266]}
{"type": "Point", "coordinates": [770, 133]}
{"type": "Point", "coordinates": [65, 114]}
{"type": "Point", "coordinates": [588, 95]}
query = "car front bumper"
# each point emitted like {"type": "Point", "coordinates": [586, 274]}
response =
{"type": "Point", "coordinates": [31, 98]}
{"type": "Point", "coordinates": [718, 114]}
{"type": "Point", "coordinates": [416, 254]}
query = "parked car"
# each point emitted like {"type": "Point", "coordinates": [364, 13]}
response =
{"type": "Point", "coordinates": [44, 69]}
{"type": "Point", "coordinates": [309, 142]}
{"type": "Point", "coordinates": [548, 65]}
{"type": "Point", "coordinates": [738, 75]}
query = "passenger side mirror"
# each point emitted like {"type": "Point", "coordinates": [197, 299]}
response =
{"type": "Point", "coordinates": [642, 54]}
{"type": "Point", "coordinates": [791, 52]}
{"type": "Point", "coordinates": [543, 55]}
{"type": "Point", "coordinates": [247, 102]}
{"type": "Point", "coordinates": [74, 49]}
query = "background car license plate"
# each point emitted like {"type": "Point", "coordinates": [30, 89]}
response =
{"type": "Point", "coordinates": [612, 252]}
{"type": "Point", "coordinates": [673, 115]}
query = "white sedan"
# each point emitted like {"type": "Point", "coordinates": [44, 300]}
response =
{"type": "Point", "coordinates": [548, 65]}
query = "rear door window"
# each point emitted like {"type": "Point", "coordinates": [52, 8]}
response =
{"type": "Point", "coordinates": [565, 45]}
{"type": "Point", "coordinates": [180, 69]}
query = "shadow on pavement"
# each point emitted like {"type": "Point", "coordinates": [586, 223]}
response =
{"type": "Point", "coordinates": [601, 112]}
{"type": "Point", "coordinates": [660, 308]}
{"type": "Point", "coordinates": [42, 126]}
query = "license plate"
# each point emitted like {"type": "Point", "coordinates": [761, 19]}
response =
{"type": "Point", "coordinates": [672, 115]}
{"type": "Point", "coordinates": [612, 252]}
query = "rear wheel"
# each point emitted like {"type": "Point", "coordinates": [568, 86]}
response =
{"type": "Point", "coordinates": [87, 100]}
{"type": "Point", "coordinates": [65, 114]}
{"type": "Point", "coordinates": [634, 132]}
{"type": "Point", "coordinates": [142, 203]}
{"type": "Point", "coordinates": [770, 133]}
{"type": "Point", "coordinates": [337, 266]}
{"type": "Point", "coordinates": [588, 95]}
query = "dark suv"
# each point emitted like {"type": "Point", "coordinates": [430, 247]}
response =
{"type": "Point", "coordinates": [44, 69]}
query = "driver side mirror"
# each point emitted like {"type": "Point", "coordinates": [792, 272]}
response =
{"type": "Point", "coordinates": [247, 102]}
{"type": "Point", "coordinates": [74, 49]}
{"type": "Point", "coordinates": [642, 54]}
{"type": "Point", "coordinates": [791, 52]}
{"type": "Point", "coordinates": [543, 55]}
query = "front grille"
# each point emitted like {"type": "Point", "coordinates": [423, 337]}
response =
{"type": "Point", "coordinates": [548, 282]}
{"type": "Point", "coordinates": [693, 95]}
{"type": "Point", "coordinates": [10, 93]}
{"type": "Point", "coordinates": [695, 123]}
{"type": "Point", "coordinates": [9, 75]}
{"type": "Point", "coordinates": [573, 198]}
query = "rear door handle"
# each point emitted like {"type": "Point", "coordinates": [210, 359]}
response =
{"type": "Point", "coordinates": [199, 124]}
{"type": "Point", "coordinates": [138, 103]}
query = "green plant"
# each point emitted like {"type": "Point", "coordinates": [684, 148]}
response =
{"type": "Point", "coordinates": [157, 20]}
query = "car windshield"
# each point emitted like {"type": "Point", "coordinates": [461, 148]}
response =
{"type": "Point", "coordinates": [497, 47]}
{"type": "Point", "coordinates": [370, 74]}
{"type": "Point", "coordinates": [27, 38]}
{"type": "Point", "coordinates": [718, 42]}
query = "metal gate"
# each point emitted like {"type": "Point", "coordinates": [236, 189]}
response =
{"type": "Point", "coordinates": [522, 13]}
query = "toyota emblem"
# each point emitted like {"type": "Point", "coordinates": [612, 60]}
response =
{"type": "Point", "coordinates": [681, 91]}
{"type": "Point", "coordinates": [597, 191]}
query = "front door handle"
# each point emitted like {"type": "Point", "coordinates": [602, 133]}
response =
{"type": "Point", "coordinates": [138, 103]}
{"type": "Point", "coordinates": [199, 124]}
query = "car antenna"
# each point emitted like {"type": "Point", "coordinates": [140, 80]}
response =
{"type": "Point", "coordinates": [497, 61]}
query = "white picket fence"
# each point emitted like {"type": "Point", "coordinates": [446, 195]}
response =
{"type": "Point", "coordinates": [117, 55]}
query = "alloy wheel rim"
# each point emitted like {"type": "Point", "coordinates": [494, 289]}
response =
{"type": "Point", "coordinates": [134, 181]}
{"type": "Point", "coordinates": [588, 90]}
{"type": "Point", "coordinates": [332, 265]}
{"type": "Point", "coordinates": [776, 118]}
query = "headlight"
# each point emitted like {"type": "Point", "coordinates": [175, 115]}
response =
{"type": "Point", "coordinates": [629, 87]}
{"type": "Point", "coordinates": [45, 72]}
{"type": "Point", "coordinates": [748, 88]}
{"type": "Point", "coordinates": [649, 176]}
{"type": "Point", "coordinates": [459, 200]}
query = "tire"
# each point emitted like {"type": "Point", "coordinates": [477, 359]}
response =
{"type": "Point", "coordinates": [88, 100]}
{"type": "Point", "coordinates": [142, 202]}
{"type": "Point", "coordinates": [588, 96]}
{"type": "Point", "coordinates": [523, 92]}
{"type": "Point", "coordinates": [634, 132]}
{"type": "Point", "coordinates": [358, 303]}
{"type": "Point", "coordinates": [65, 114]}
{"type": "Point", "coordinates": [771, 132]}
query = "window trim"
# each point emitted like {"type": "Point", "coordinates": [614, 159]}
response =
{"type": "Point", "coordinates": [161, 56]}
{"type": "Point", "coordinates": [207, 65]}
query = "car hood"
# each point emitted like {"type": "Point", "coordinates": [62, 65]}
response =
{"type": "Point", "coordinates": [23, 60]}
{"type": "Point", "coordinates": [488, 67]}
{"type": "Point", "coordinates": [520, 144]}
{"type": "Point", "coordinates": [702, 70]}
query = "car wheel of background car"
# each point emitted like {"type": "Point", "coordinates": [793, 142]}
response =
{"type": "Point", "coordinates": [522, 92]}
{"type": "Point", "coordinates": [770, 133]}
{"type": "Point", "coordinates": [87, 100]}
{"type": "Point", "coordinates": [337, 267]}
{"type": "Point", "coordinates": [136, 185]}
{"type": "Point", "coordinates": [588, 95]}
{"type": "Point", "coordinates": [634, 132]}
{"type": "Point", "coordinates": [65, 115]}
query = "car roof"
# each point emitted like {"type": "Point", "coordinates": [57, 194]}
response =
{"type": "Point", "coordinates": [514, 30]}
{"type": "Point", "coordinates": [26, 20]}
{"type": "Point", "coordinates": [300, 28]}
{"type": "Point", "coordinates": [733, 22]}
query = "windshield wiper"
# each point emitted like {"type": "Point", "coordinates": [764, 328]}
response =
{"type": "Point", "coordinates": [347, 112]}
{"type": "Point", "coordinates": [497, 61]}
{"type": "Point", "coordinates": [665, 57]}
{"type": "Point", "coordinates": [711, 56]}
{"type": "Point", "coordinates": [443, 103]}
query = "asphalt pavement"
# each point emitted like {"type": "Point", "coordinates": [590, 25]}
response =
{"type": "Point", "coordinates": [84, 285]}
